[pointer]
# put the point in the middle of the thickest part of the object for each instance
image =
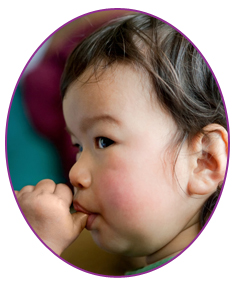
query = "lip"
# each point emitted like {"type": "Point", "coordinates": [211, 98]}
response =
{"type": "Point", "coordinates": [79, 208]}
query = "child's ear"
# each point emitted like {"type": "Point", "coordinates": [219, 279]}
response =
{"type": "Point", "coordinates": [208, 160]}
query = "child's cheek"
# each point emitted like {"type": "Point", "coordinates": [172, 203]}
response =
{"type": "Point", "coordinates": [119, 193]}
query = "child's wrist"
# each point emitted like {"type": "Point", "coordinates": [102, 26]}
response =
{"type": "Point", "coordinates": [56, 249]}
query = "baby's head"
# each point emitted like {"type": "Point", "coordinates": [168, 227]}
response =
{"type": "Point", "coordinates": [147, 117]}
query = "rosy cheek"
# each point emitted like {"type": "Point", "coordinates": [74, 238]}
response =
{"type": "Point", "coordinates": [118, 194]}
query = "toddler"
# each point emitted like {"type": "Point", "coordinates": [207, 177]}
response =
{"type": "Point", "coordinates": [145, 113]}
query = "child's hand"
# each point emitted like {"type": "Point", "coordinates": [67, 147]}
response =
{"type": "Point", "coordinates": [47, 208]}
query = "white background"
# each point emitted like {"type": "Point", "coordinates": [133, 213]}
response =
{"type": "Point", "coordinates": [25, 261]}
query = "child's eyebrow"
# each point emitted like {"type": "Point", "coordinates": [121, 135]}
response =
{"type": "Point", "coordinates": [88, 122]}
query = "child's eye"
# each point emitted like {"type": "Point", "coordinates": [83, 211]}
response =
{"type": "Point", "coordinates": [79, 147]}
{"type": "Point", "coordinates": [103, 142]}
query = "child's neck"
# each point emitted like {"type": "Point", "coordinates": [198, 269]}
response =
{"type": "Point", "coordinates": [181, 241]}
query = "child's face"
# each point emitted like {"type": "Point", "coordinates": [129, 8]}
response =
{"type": "Point", "coordinates": [124, 175]}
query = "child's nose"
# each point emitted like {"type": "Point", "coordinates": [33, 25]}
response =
{"type": "Point", "coordinates": [79, 174]}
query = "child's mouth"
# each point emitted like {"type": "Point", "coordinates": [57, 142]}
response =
{"type": "Point", "coordinates": [79, 208]}
{"type": "Point", "coordinates": [91, 217]}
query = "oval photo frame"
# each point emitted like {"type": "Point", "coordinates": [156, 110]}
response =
{"type": "Point", "coordinates": [115, 265]}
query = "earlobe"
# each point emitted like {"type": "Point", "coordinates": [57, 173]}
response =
{"type": "Point", "coordinates": [208, 160]}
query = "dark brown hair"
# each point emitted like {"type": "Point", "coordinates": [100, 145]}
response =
{"type": "Point", "coordinates": [182, 80]}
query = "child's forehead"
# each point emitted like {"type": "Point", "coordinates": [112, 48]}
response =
{"type": "Point", "coordinates": [114, 74]}
{"type": "Point", "coordinates": [117, 90]}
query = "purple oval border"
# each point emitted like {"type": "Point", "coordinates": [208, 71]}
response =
{"type": "Point", "coordinates": [111, 9]}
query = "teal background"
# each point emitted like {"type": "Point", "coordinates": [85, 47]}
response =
{"type": "Point", "coordinates": [31, 157]}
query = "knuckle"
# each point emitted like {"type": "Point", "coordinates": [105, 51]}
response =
{"type": "Point", "coordinates": [63, 187]}
{"type": "Point", "coordinates": [26, 189]}
{"type": "Point", "coordinates": [46, 185]}
{"type": "Point", "coordinates": [47, 182]}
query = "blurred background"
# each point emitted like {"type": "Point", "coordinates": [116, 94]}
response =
{"type": "Point", "coordinates": [38, 147]}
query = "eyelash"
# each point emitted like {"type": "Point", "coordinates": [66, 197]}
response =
{"type": "Point", "coordinates": [109, 142]}
{"type": "Point", "coordinates": [97, 143]}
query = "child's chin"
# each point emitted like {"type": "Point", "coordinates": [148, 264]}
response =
{"type": "Point", "coordinates": [116, 246]}
{"type": "Point", "coordinates": [109, 244]}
